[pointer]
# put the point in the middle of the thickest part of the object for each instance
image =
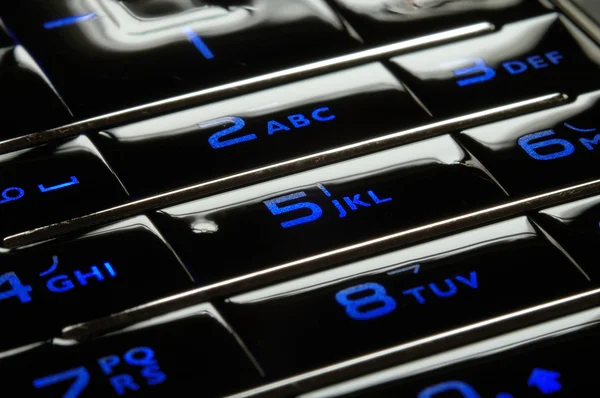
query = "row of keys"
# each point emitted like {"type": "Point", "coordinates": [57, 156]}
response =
{"type": "Point", "coordinates": [319, 319]}
{"type": "Point", "coordinates": [539, 363]}
{"type": "Point", "coordinates": [550, 148]}
{"type": "Point", "coordinates": [154, 50]}
{"type": "Point", "coordinates": [223, 138]}
{"type": "Point", "coordinates": [220, 139]}
{"type": "Point", "coordinates": [317, 114]}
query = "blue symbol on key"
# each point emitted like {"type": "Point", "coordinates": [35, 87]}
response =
{"type": "Point", "coordinates": [52, 267]}
{"type": "Point", "coordinates": [579, 129]}
{"type": "Point", "coordinates": [545, 380]}
{"type": "Point", "coordinates": [73, 181]}
{"type": "Point", "coordinates": [12, 193]}
{"type": "Point", "coordinates": [465, 390]}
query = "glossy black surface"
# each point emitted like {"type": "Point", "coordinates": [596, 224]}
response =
{"type": "Point", "coordinates": [5, 40]}
{"type": "Point", "coordinates": [379, 21]}
{"type": "Point", "coordinates": [258, 129]}
{"type": "Point", "coordinates": [194, 352]}
{"type": "Point", "coordinates": [133, 265]}
{"type": "Point", "coordinates": [235, 233]}
{"type": "Point", "coordinates": [320, 319]}
{"type": "Point", "coordinates": [134, 52]}
{"type": "Point", "coordinates": [541, 151]}
{"type": "Point", "coordinates": [556, 367]}
{"type": "Point", "coordinates": [474, 74]}
{"type": "Point", "coordinates": [30, 180]}
{"type": "Point", "coordinates": [29, 102]}
{"type": "Point", "coordinates": [576, 227]}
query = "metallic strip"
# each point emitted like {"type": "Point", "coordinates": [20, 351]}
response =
{"type": "Point", "coordinates": [242, 86]}
{"type": "Point", "coordinates": [425, 346]}
{"type": "Point", "coordinates": [279, 169]}
{"type": "Point", "coordinates": [328, 259]}
{"type": "Point", "coordinates": [580, 18]}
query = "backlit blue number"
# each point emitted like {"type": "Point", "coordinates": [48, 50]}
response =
{"type": "Point", "coordinates": [524, 142]}
{"type": "Point", "coordinates": [353, 306]}
{"type": "Point", "coordinates": [80, 374]}
{"type": "Point", "coordinates": [238, 124]}
{"type": "Point", "coordinates": [16, 192]}
{"type": "Point", "coordinates": [272, 205]}
{"type": "Point", "coordinates": [485, 71]}
{"type": "Point", "coordinates": [17, 288]}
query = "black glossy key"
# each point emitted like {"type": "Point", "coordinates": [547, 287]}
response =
{"type": "Point", "coordinates": [29, 102]}
{"type": "Point", "coordinates": [50, 286]}
{"type": "Point", "coordinates": [556, 367]}
{"type": "Point", "coordinates": [286, 219]}
{"type": "Point", "coordinates": [258, 129]}
{"type": "Point", "coordinates": [384, 21]}
{"type": "Point", "coordinates": [135, 52]}
{"type": "Point", "coordinates": [177, 355]}
{"type": "Point", "coordinates": [576, 227]}
{"type": "Point", "coordinates": [52, 183]}
{"type": "Point", "coordinates": [543, 150]}
{"type": "Point", "coordinates": [401, 296]}
{"type": "Point", "coordinates": [523, 60]}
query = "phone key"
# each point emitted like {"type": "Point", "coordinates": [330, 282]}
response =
{"type": "Point", "coordinates": [541, 151]}
{"type": "Point", "coordinates": [553, 365]}
{"type": "Point", "coordinates": [30, 103]}
{"type": "Point", "coordinates": [54, 182]}
{"type": "Point", "coordinates": [576, 227]}
{"type": "Point", "coordinates": [522, 60]}
{"type": "Point", "coordinates": [258, 129]}
{"type": "Point", "coordinates": [174, 355]}
{"type": "Point", "coordinates": [290, 218]}
{"type": "Point", "coordinates": [136, 52]}
{"type": "Point", "coordinates": [49, 286]}
{"type": "Point", "coordinates": [380, 21]}
{"type": "Point", "coordinates": [401, 296]}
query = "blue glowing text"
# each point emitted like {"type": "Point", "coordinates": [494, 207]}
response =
{"type": "Point", "coordinates": [12, 194]}
{"type": "Point", "coordinates": [57, 283]}
{"type": "Point", "coordinates": [122, 383]}
{"type": "Point", "coordinates": [352, 203]}
{"type": "Point", "coordinates": [479, 71]}
{"type": "Point", "coordinates": [370, 300]}
{"type": "Point", "coordinates": [291, 122]}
